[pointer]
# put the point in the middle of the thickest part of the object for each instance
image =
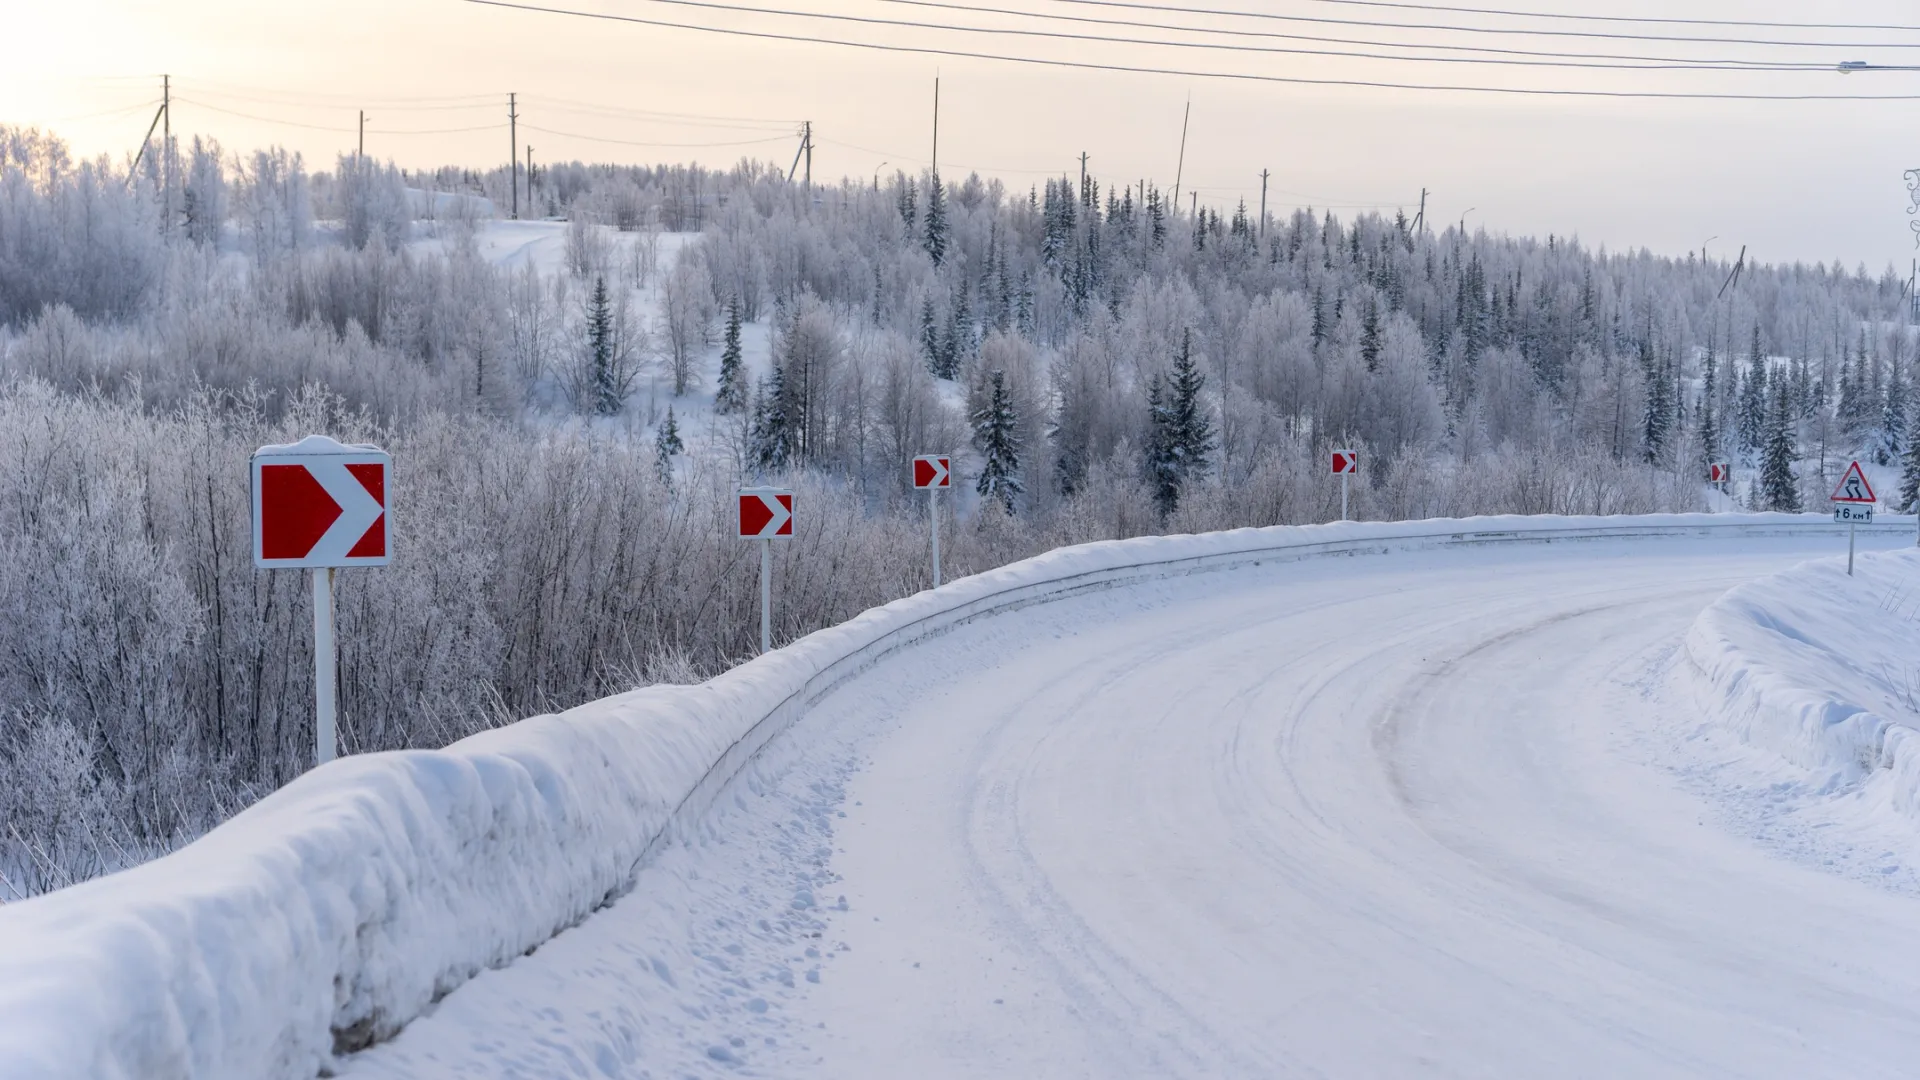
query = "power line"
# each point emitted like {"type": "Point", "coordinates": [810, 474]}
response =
{"type": "Point", "coordinates": [1617, 18]}
{"type": "Point", "coordinates": [1635, 64]}
{"type": "Point", "coordinates": [1060, 35]}
{"type": "Point", "coordinates": [263, 95]}
{"type": "Point", "coordinates": [1456, 29]}
{"type": "Point", "coordinates": [768, 35]}
{"type": "Point", "coordinates": [589, 105]}
{"type": "Point", "coordinates": [1758, 65]}
{"type": "Point", "coordinates": [326, 127]}
{"type": "Point", "coordinates": [630, 142]}
{"type": "Point", "coordinates": [678, 120]}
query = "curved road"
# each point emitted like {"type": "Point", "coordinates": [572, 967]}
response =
{"type": "Point", "coordinates": [1438, 814]}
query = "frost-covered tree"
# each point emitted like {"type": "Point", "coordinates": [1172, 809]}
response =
{"type": "Point", "coordinates": [601, 345]}
{"type": "Point", "coordinates": [667, 444]}
{"type": "Point", "coordinates": [1779, 488]}
{"type": "Point", "coordinates": [1753, 399]}
{"type": "Point", "coordinates": [935, 237]}
{"type": "Point", "coordinates": [771, 436]}
{"type": "Point", "coordinates": [1180, 434]}
{"type": "Point", "coordinates": [731, 397]}
{"type": "Point", "coordinates": [1910, 467]}
{"type": "Point", "coordinates": [1709, 424]}
{"type": "Point", "coordinates": [1893, 421]}
{"type": "Point", "coordinates": [996, 435]}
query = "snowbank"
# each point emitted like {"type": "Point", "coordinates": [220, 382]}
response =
{"type": "Point", "coordinates": [333, 912]}
{"type": "Point", "coordinates": [1822, 668]}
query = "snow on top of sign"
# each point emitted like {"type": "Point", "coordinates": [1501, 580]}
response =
{"type": "Point", "coordinates": [315, 444]}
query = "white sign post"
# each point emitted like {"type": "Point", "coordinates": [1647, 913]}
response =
{"type": "Point", "coordinates": [766, 515]}
{"type": "Point", "coordinates": [318, 505]}
{"type": "Point", "coordinates": [1345, 464]}
{"type": "Point", "coordinates": [933, 472]}
{"type": "Point", "coordinates": [1856, 500]}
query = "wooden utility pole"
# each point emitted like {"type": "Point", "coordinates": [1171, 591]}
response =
{"type": "Point", "coordinates": [530, 208]}
{"type": "Point", "coordinates": [360, 156]}
{"type": "Point", "coordinates": [1180, 170]}
{"type": "Point", "coordinates": [936, 125]}
{"type": "Point", "coordinates": [1083, 176]}
{"type": "Point", "coordinates": [807, 146]}
{"type": "Point", "coordinates": [513, 151]}
{"type": "Point", "coordinates": [1420, 218]}
{"type": "Point", "coordinates": [1263, 204]}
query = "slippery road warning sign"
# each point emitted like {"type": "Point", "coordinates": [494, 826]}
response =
{"type": "Point", "coordinates": [319, 503]}
{"type": "Point", "coordinates": [1853, 487]}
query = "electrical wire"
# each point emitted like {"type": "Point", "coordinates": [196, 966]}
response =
{"type": "Point", "coordinates": [1280, 35]}
{"type": "Point", "coordinates": [1455, 29]}
{"type": "Point", "coordinates": [1061, 35]}
{"type": "Point", "coordinates": [658, 145]}
{"type": "Point", "coordinates": [767, 35]}
{"type": "Point", "coordinates": [551, 105]}
{"type": "Point", "coordinates": [1504, 12]}
{"type": "Point", "coordinates": [265, 96]}
{"type": "Point", "coordinates": [649, 112]}
{"type": "Point", "coordinates": [326, 127]}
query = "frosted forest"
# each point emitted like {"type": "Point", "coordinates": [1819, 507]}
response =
{"type": "Point", "coordinates": [571, 398]}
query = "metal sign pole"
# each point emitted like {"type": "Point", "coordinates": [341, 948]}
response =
{"type": "Point", "coordinates": [1850, 528]}
{"type": "Point", "coordinates": [933, 515]}
{"type": "Point", "coordinates": [1343, 496]}
{"type": "Point", "coordinates": [324, 736]}
{"type": "Point", "coordinates": [766, 596]}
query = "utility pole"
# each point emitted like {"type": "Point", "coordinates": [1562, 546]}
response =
{"type": "Point", "coordinates": [808, 147]}
{"type": "Point", "coordinates": [166, 150]}
{"type": "Point", "coordinates": [1195, 196]}
{"type": "Point", "coordinates": [936, 125]}
{"type": "Point", "coordinates": [513, 151]}
{"type": "Point", "coordinates": [1083, 176]}
{"type": "Point", "coordinates": [360, 156]}
{"type": "Point", "coordinates": [1420, 218]}
{"type": "Point", "coordinates": [1180, 170]}
{"type": "Point", "coordinates": [1263, 204]}
{"type": "Point", "coordinates": [530, 208]}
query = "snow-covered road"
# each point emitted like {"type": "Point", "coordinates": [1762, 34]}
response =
{"type": "Point", "coordinates": [1445, 813]}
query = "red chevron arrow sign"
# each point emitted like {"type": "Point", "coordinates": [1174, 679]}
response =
{"type": "Point", "coordinates": [765, 513]}
{"type": "Point", "coordinates": [933, 471]}
{"type": "Point", "coordinates": [1345, 461]}
{"type": "Point", "coordinates": [320, 503]}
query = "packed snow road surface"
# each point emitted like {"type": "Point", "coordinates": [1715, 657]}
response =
{"type": "Point", "coordinates": [1439, 813]}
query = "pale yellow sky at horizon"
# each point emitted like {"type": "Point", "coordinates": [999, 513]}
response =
{"type": "Point", "coordinates": [1793, 180]}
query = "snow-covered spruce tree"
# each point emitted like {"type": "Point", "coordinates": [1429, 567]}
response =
{"type": "Point", "coordinates": [1779, 489]}
{"type": "Point", "coordinates": [1753, 400]}
{"type": "Point", "coordinates": [770, 437]}
{"type": "Point", "coordinates": [1910, 467]}
{"type": "Point", "coordinates": [600, 343]}
{"type": "Point", "coordinates": [1893, 421]}
{"type": "Point", "coordinates": [1709, 422]}
{"type": "Point", "coordinates": [930, 345]}
{"type": "Point", "coordinates": [935, 238]}
{"type": "Point", "coordinates": [996, 436]}
{"type": "Point", "coordinates": [666, 443]}
{"type": "Point", "coordinates": [1656, 425]}
{"type": "Point", "coordinates": [1180, 435]}
{"type": "Point", "coordinates": [732, 394]}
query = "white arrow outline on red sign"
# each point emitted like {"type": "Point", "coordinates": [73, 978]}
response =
{"type": "Point", "coordinates": [358, 508]}
{"type": "Point", "coordinates": [1352, 459]}
{"type": "Point", "coordinates": [942, 470]}
{"type": "Point", "coordinates": [781, 515]}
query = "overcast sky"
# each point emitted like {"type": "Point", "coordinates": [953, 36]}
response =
{"type": "Point", "coordinates": [1792, 180]}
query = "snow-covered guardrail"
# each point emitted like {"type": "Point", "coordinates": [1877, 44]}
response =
{"type": "Point", "coordinates": [333, 912]}
{"type": "Point", "coordinates": [1819, 667]}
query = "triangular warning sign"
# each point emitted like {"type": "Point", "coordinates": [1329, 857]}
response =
{"type": "Point", "coordinates": [1853, 487]}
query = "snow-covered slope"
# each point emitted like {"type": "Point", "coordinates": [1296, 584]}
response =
{"type": "Point", "coordinates": [334, 912]}
{"type": "Point", "coordinates": [1823, 669]}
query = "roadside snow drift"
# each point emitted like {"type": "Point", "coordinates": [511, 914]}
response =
{"type": "Point", "coordinates": [332, 913]}
{"type": "Point", "coordinates": [1822, 669]}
